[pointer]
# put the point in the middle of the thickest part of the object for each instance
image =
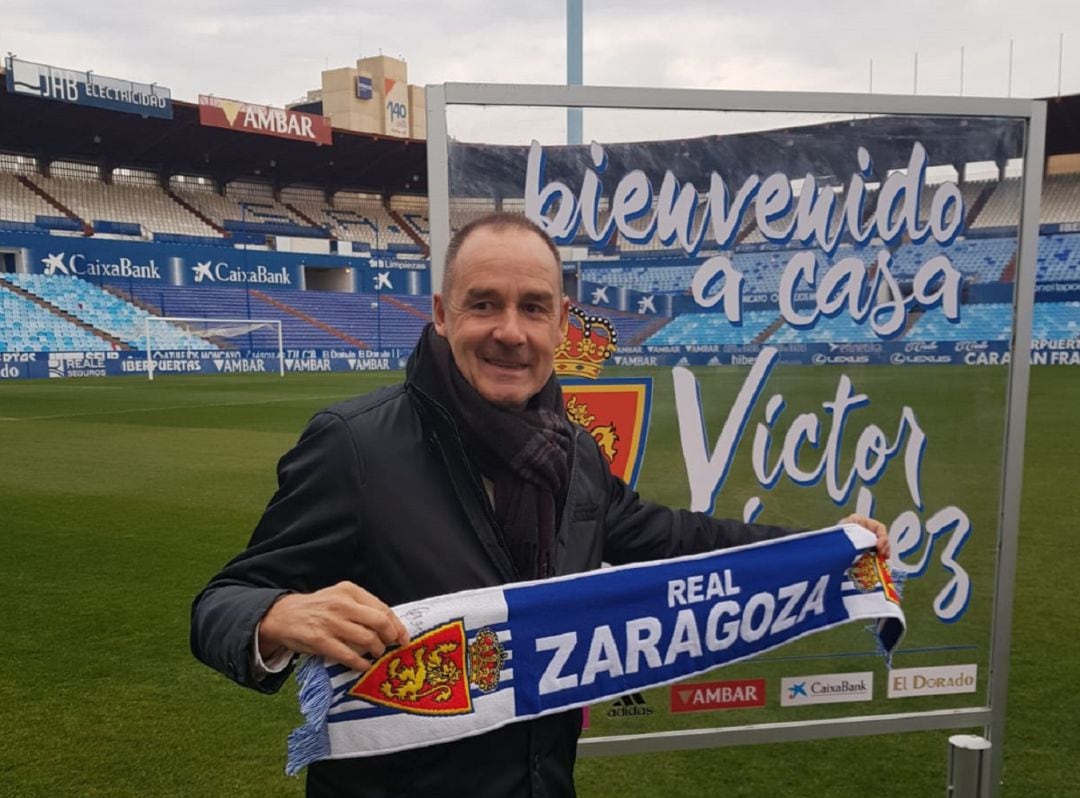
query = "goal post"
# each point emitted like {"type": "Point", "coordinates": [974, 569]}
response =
{"type": "Point", "coordinates": [188, 334]}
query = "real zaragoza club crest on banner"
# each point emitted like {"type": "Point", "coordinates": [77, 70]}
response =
{"type": "Point", "coordinates": [615, 410]}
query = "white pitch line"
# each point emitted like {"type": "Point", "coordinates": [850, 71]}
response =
{"type": "Point", "coordinates": [172, 407]}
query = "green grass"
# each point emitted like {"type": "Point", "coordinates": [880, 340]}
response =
{"type": "Point", "coordinates": [121, 497]}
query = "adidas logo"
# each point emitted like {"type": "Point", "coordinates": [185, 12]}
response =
{"type": "Point", "coordinates": [629, 706]}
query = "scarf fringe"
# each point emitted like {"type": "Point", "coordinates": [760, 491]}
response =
{"type": "Point", "coordinates": [311, 742]}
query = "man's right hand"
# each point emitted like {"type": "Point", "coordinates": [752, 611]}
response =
{"type": "Point", "coordinates": [342, 623]}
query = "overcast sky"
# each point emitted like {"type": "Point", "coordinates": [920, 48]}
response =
{"type": "Point", "coordinates": [272, 51]}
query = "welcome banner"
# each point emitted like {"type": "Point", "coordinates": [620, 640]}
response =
{"type": "Point", "coordinates": [481, 659]}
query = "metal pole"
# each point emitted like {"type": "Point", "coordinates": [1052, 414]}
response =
{"type": "Point", "coordinates": [1061, 50]}
{"type": "Point", "coordinates": [149, 357]}
{"type": "Point", "coordinates": [1009, 92]}
{"type": "Point", "coordinates": [961, 70]}
{"type": "Point", "coordinates": [915, 88]}
{"type": "Point", "coordinates": [438, 163]}
{"type": "Point", "coordinates": [871, 87]}
{"type": "Point", "coordinates": [1013, 450]}
{"type": "Point", "coordinates": [280, 350]}
{"type": "Point", "coordinates": [560, 96]}
{"type": "Point", "coordinates": [966, 772]}
{"type": "Point", "coordinates": [574, 26]}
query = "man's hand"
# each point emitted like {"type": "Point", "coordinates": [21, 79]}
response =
{"type": "Point", "coordinates": [342, 623]}
{"type": "Point", "coordinates": [874, 526]}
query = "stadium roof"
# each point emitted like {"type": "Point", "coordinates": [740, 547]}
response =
{"type": "Point", "coordinates": [53, 130]}
{"type": "Point", "coordinates": [62, 131]}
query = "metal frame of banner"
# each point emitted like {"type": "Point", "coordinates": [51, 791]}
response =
{"type": "Point", "coordinates": [991, 718]}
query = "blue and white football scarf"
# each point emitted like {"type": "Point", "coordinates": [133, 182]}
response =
{"type": "Point", "coordinates": [481, 659]}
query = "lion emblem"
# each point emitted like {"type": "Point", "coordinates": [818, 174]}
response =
{"type": "Point", "coordinates": [604, 434]}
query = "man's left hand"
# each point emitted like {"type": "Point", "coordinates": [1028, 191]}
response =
{"type": "Point", "coordinates": [874, 526]}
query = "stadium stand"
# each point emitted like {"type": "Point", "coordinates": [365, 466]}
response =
{"type": "Point", "coordinates": [1059, 257]}
{"type": "Point", "coordinates": [311, 319]}
{"type": "Point", "coordinates": [712, 328]}
{"type": "Point", "coordinates": [1060, 199]}
{"type": "Point", "coordinates": [631, 329]}
{"type": "Point", "coordinates": [415, 212]}
{"type": "Point", "coordinates": [989, 322]}
{"type": "Point", "coordinates": [366, 219]}
{"type": "Point", "coordinates": [838, 329]}
{"type": "Point", "coordinates": [751, 233]}
{"type": "Point", "coordinates": [648, 279]}
{"type": "Point", "coordinates": [101, 310]}
{"type": "Point", "coordinates": [19, 204]}
{"type": "Point", "coordinates": [1002, 207]}
{"type": "Point", "coordinates": [762, 270]}
{"type": "Point", "coordinates": [464, 209]}
{"type": "Point", "coordinates": [236, 203]}
{"type": "Point", "coordinates": [1056, 321]}
{"type": "Point", "coordinates": [133, 200]}
{"type": "Point", "coordinates": [979, 259]}
{"type": "Point", "coordinates": [244, 208]}
{"type": "Point", "coordinates": [29, 327]}
{"type": "Point", "coordinates": [380, 320]}
{"type": "Point", "coordinates": [309, 205]}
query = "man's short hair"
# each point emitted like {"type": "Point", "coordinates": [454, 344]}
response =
{"type": "Point", "coordinates": [498, 220]}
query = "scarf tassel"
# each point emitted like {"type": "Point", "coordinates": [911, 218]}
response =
{"type": "Point", "coordinates": [311, 742]}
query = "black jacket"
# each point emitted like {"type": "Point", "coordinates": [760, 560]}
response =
{"type": "Point", "coordinates": [379, 491]}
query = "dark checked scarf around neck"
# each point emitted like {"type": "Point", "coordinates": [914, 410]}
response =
{"type": "Point", "coordinates": [525, 453]}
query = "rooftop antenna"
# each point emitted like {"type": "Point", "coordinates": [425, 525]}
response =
{"type": "Point", "coordinates": [1061, 50]}
{"type": "Point", "coordinates": [961, 70]}
{"type": "Point", "coordinates": [1009, 90]}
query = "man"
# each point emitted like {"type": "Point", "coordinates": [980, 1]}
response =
{"type": "Point", "coordinates": [467, 475]}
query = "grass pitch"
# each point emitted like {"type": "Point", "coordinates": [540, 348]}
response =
{"type": "Point", "coordinates": [122, 497]}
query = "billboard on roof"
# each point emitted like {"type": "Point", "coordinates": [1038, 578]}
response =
{"type": "Point", "coordinates": [87, 88]}
{"type": "Point", "coordinates": [264, 119]}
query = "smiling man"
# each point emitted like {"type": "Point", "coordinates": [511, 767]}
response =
{"type": "Point", "coordinates": [467, 475]}
{"type": "Point", "coordinates": [503, 311]}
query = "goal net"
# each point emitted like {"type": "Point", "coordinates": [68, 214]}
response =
{"type": "Point", "coordinates": [237, 340]}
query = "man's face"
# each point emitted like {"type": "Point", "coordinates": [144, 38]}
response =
{"type": "Point", "coordinates": [504, 313]}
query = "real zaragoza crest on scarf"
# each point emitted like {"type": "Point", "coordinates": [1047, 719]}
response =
{"type": "Point", "coordinates": [615, 410]}
{"type": "Point", "coordinates": [435, 673]}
